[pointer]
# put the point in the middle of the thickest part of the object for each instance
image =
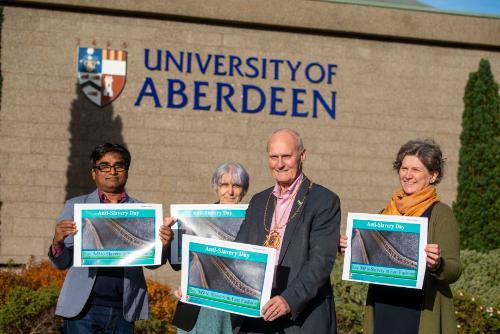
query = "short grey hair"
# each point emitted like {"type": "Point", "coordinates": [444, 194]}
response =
{"type": "Point", "coordinates": [298, 139]}
{"type": "Point", "coordinates": [237, 172]}
{"type": "Point", "coordinates": [427, 151]}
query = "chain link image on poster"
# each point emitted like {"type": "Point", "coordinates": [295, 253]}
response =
{"type": "Point", "coordinates": [386, 250]}
{"type": "Point", "coordinates": [117, 235]}
{"type": "Point", "coordinates": [228, 276]}
{"type": "Point", "coordinates": [216, 221]}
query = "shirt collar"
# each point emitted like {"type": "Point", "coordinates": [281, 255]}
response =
{"type": "Point", "coordinates": [104, 199]}
{"type": "Point", "coordinates": [290, 190]}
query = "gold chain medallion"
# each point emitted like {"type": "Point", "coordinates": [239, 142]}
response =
{"type": "Point", "coordinates": [273, 240]}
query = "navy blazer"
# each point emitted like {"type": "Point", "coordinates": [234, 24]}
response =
{"type": "Point", "coordinates": [307, 255]}
{"type": "Point", "coordinates": [79, 281]}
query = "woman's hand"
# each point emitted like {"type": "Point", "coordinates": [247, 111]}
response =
{"type": "Point", "coordinates": [166, 233]}
{"type": "Point", "coordinates": [343, 243]}
{"type": "Point", "coordinates": [433, 257]}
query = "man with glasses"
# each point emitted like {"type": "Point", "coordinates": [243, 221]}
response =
{"type": "Point", "coordinates": [107, 299]}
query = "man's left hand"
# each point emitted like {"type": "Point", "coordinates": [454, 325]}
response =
{"type": "Point", "coordinates": [166, 233]}
{"type": "Point", "coordinates": [276, 307]}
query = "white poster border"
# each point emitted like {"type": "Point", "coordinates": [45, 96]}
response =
{"type": "Point", "coordinates": [174, 212]}
{"type": "Point", "coordinates": [77, 246]}
{"type": "Point", "coordinates": [421, 266]}
{"type": "Point", "coordinates": [268, 275]}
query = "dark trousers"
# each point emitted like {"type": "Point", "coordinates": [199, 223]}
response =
{"type": "Point", "coordinates": [99, 319]}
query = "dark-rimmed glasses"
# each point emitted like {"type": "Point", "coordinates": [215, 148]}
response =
{"type": "Point", "coordinates": [105, 168]}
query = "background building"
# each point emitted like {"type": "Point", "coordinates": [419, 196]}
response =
{"type": "Point", "coordinates": [374, 77]}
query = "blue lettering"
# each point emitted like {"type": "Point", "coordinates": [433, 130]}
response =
{"type": "Point", "coordinates": [157, 67]}
{"type": "Point", "coordinates": [329, 109]}
{"type": "Point", "coordinates": [172, 91]}
{"type": "Point", "coordinates": [198, 93]}
{"type": "Point", "coordinates": [234, 64]}
{"type": "Point", "coordinates": [276, 63]}
{"type": "Point", "coordinates": [219, 65]}
{"type": "Point", "coordinates": [264, 68]}
{"type": "Point", "coordinates": [226, 97]}
{"type": "Point", "coordinates": [275, 100]}
{"type": "Point", "coordinates": [244, 103]}
{"type": "Point", "coordinates": [332, 68]}
{"type": "Point", "coordinates": [201, 66]}
{"type": "Point", "coordinates": [189, 58]}
{"type": "Point", "coordinates": [178, 63]}
{"type": "Point", "coordinates": [148, 89]}
{"type": "Point", "coordinates": [309, 68]}
{"type": "Point", "coordinates": [293, 69]}
{"type": "Point", "coordinates": [296, 101]}
{"type": "Point", "coordinates": [250, 63]}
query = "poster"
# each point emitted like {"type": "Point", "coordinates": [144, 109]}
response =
{"type": "Point", "coordinates": [225, 275]}
{"type": "Point", "coordinates": [117, 235]}
{"type": "Point", "coordinates": [387, 250]}
{"type": "Point", "coordinates": [217, 221]}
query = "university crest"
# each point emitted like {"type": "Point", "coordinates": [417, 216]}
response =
{"type": "Point", "coordinates": [101, 74]}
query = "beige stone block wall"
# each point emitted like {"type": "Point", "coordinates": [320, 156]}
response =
{"type": "Point", "coordinates": [387, 93]}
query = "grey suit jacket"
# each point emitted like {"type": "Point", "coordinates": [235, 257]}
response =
{"type": "Point", "coordinates": [306, 259]}
{"type": "Point", "coordinates": [79, 281]}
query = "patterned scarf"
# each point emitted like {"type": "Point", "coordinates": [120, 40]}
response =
{"type": "Point", "coordinates": [412, 205]}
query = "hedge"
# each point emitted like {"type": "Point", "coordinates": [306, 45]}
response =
{"type": "Point", "coordinates": [28, 298]}
{"type": "Point", "coordinates": [478, 196]}
{"type": "Point", "coordinates": [476, 295]}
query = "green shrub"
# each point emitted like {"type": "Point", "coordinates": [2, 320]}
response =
{"type": "Point", "coordinates": [29, 311]}
{"type": "Point", "coordinates": [349, 300]}
{"type": "Point", "coordinates": [478, 196]}
{"type": "Point", "coordinates": [346, 292]}
{"type": "Point", "coordinates": [153, 326]}
{"type": "Point", "coordinates": [480, 276]}
{"type": "Point", "coordinates": [473, 316]}
{"type": "Point", "coordinates": [10, 280]}
{"type": "Point", "coordinates": [476, 295]}
{"type": "Point", "coordinates": [162, 307]}
{"type": "Point", "coordinates": [42, 274]}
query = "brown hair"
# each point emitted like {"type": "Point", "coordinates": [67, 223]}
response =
{"type": "Point", "coordinates": [427, 151]}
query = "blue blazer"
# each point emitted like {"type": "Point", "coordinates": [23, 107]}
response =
{"type": "Point", "coordinates": [306, 259]}
{"type": "Point", "coordinates": [80, 280]}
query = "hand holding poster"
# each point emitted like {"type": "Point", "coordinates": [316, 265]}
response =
{"type": "Point", "coordinates": [227, 276]}
{"type": "Point", "coordinates": [216, 221]}
{"type": "Point", "coordinates": [117, 235]}
{"type": "Point", "coordinates": [387, 250]}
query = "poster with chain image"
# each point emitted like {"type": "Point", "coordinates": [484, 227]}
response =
{"type": "Point", "coordinates": [216, 221]}
{"type": "Point", "coordinates": [386, 250]}
{"type": "Point", "coordinates": [110, 235]}
{"type": "Point", "coordinates": [227, 276]}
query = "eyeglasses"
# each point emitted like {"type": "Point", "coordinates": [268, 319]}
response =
{"type": "Point", "coordinates": [105, 168]}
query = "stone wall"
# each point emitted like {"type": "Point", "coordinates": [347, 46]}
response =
{"type": "Point", "coordinates": [390, 88]}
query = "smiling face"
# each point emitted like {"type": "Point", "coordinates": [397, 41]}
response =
{"type": "Point", "coordinates": [228, 191]}
{"type": "Point", "coordinates": [284, 159]}
{"type": "Point", "coordinates": [414, 176]}
{"type": "Point", "coordinates": [112, 182]}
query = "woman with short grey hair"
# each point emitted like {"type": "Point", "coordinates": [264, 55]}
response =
{"type": "Point", "coordinates": [230, 182]}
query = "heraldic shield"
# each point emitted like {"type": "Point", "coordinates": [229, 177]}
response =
{"type": "Point", "coordinates": [101, 74]}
